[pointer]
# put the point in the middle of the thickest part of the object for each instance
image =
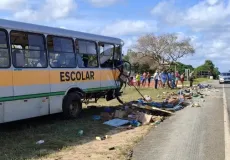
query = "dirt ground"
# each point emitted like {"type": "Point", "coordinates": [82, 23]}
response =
{"type": "Point", "coordinates": [62, 142]}
{"type": "Point", "coordinates": [100, 150]}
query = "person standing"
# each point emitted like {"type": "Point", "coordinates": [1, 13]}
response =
{"type": "Point", "coordinates": [138, 79]}
{"type": "Point", "coordinates": [191, 79]}
{"type": "Point", "coordinates": [149, 78]}
{"type": "Point", "coordinates": [182, 80]}
{"type": "Point", "coordinates": [173, 80]}
{"type": "Point", "coordinates": [160, 80]}
{"type": "Point", "coordinates": [143, 79]}
{"type": "Point", "coordinates": [177, 78]}
{"type": "Point", "coordinates": [163, 78]}
{"type": "Point", "coordinates": [169, 78]}
{"type": "Point", "coordinates": [156, 78]}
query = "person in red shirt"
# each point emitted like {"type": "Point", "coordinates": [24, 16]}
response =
{"type": "Point", "coordinates": [177, 75]}
{"type": "Point", "coordinates": [182, 80]}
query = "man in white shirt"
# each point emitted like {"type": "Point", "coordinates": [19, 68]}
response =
{"type": "Point", "coordinates": [156, 77]}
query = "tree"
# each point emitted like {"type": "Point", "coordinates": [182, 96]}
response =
{"type": "Point", "coordinates": [180, 67]}
{"type": "Point", "coordinates": [137, 67]}
{"type": "Point", "coordinates": [208, 66]}
{"type": "Point", "coordinates": [156, 50]}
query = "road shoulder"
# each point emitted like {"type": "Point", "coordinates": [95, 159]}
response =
{"type": "Point", "coordinates": [193, 133]}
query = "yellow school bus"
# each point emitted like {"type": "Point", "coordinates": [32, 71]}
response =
{"type": "Point", "coordinates": [47, 70]}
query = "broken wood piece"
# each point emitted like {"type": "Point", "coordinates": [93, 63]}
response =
{"type": "Point", "coordinates": [152, 108]}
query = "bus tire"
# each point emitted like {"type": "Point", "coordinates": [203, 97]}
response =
{"type": "Point", "coordinates": [72, 106]}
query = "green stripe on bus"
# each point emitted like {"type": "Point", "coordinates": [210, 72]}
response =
{"type": "Point", "coordinates": [30, 96]}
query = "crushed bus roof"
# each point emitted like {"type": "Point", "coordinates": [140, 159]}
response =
{"type": "Point", "coordinates": [14, 25]}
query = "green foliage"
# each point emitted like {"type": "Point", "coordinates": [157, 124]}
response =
{"type": "Point", "coordinates": [180, 67]}
{"type": "Point", "coordinates": [126, 58]}
{"type": "Point", "coordinates": [141, 68]}
{"type": "Point", "coordinates": [208, 66]}
{"type": "Point", "coordinates": [145, 67]}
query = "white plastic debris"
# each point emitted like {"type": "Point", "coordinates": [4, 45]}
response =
{"type": "Point", "coordinates": [197, 105]}
{"type": "Point", "coordinates": [147, 98]}
{"type": "Point", "coordinates": [40, 142]}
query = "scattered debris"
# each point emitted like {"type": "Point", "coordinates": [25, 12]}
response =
{"type": "Point", "coordinates": [96, 117]}
{"type": "Point", "coordinates": [80, 132]}
{"type": "Point", "coordinates": [105, 116]}
{"type": "Point", "coordinates": [116, 122]}
{"type": "Point", "coordinates": [196, 105]}
{"type": "Point", "coordinates": [112, 148]}
{"type": "Point", "coordinates": [135, 123]}
{"type": "Point", "coordinates": [102, 138]}
{"type": "Point", "coordinates": [145, 111]}
{"type": "Point", "coordinates": [40, 142]}
{"type": "Point", "coordinates": [148, 98]}
{"type": "Point", "coordinates": [120, 114]}
{"type": "Point", "coordinates": [130, 155]}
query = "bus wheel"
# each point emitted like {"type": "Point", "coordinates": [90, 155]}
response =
{"type": "Point", "coordinates": [72, 105]}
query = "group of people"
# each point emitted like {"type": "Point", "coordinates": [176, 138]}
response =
{"type": "Point", "coordinates": [160, 79]}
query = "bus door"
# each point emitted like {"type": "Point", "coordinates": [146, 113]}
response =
{"type": "Point", "coordinates": [88, 65]}
{"type": "Point", "coordinates": [108, 71]}
{"type": "Point", "coordinates": [122, 68]}
{"type": "Point", "coordinates": [6, 84]}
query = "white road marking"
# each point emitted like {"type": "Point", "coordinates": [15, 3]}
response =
{"type": "Point", "coordinates": [226, 127]}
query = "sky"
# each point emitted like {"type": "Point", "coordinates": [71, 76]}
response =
{"type": "Point", "coordinates": [205, 22]}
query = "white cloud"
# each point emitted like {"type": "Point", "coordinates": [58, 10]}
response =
{"type": "Point", "coordinates": [128, 27]}
{"type": "Point", "coordinates": [201, 16]}
{"type": "Point", "coordinates": [129, 42]}
{"type": "Point", "coordinates": [205, 16]}
{"type": "Point", "coordinates": [103, 3]}
{"type": "Point", "coordinates": [83, 25]}
{"type": "Point", "coordinates": [212, 2]}
{"type": "Point", "coordinates": [51, 9]}
{"type": "Point", "coordinates": [207, 21]}
{"type": "Point", "coordinates": [11, 5]}
{"type": "Point", "coordinates": [225, 61]}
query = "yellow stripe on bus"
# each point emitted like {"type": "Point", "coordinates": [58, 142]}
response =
{"type": "Point", "coordinates": [31, 77]}
{"type": "Point", "coordinates": [6, 78]}
{"type": "Point", "coordinates": [36, 77]}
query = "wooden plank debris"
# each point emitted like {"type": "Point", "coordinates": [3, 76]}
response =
{"type": "Point", "coordinates": [152, 108]}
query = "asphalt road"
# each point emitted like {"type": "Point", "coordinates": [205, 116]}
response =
{"type": "Point", "coordinates": [227, 92]}
{"type": "Point", "coordinates": [191, 134]}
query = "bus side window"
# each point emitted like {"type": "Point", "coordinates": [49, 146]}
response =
{"type": "Point", "coordinates": [106, 55]}
{"type": "Point", "coordinates": [86, 54]}
{"type": "Point", "coordinates": [28, 50]}
{"type": "Point", "coordinates": [61, 52]}
{"type": "Point", "coordinates": [4, 50]}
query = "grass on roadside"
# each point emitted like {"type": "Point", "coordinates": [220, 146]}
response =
{"type": "Point", "coordinates": [18, 139]}
{"type": "Point", "coordinates": [198, 80]}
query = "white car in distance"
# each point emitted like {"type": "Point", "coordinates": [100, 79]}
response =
{"type": "Point", "coordinates": [224, 77]}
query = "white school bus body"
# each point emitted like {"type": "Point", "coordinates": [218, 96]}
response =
{"type": "Point", "coordinates": [32, 92]}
